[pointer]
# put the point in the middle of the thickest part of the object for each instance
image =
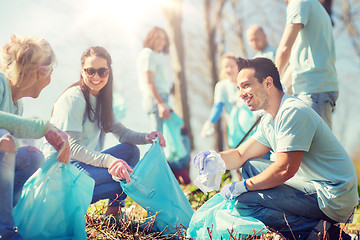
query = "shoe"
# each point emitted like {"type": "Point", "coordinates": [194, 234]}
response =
{"type": "Point", "coordinates": [332, 232]}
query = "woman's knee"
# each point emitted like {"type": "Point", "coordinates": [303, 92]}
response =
{"type": "Point", "coordinates": [29, 156]}
{"type": "Point", "coordinates": [7, 143]}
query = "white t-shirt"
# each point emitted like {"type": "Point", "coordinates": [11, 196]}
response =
{"type": "Point", "coordinates": [158, 63]}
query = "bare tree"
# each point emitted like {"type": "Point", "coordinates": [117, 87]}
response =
{"type": "Point", "coordinates": [173, 15]}
{"type": "Point", "coordinates": [211, 25]}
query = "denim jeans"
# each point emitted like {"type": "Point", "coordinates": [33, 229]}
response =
{"type": "Point", "coordinates": [291, 209]}
{"type": "Point", "coordinates": [105, 186]}
{"type": "Point", "coordinates": [322, 103]}
{"type": "Point", "coordinates": [150, 107]}
{"type": "Point", "coordinates": [15, 169]}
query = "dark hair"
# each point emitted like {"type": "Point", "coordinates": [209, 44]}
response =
{"type": "Point", "coordinates": [263, 68]}
{"type": "Point", "coordinates": [152, 36]}
{"type": "Point", "coordinates": [103, 112]}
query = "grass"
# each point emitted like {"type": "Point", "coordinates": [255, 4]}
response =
{"type": "Point", "coordinates": [98, 227]}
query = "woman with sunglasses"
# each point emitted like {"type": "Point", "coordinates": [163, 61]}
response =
{"type": "Point", "coordinates": [85, 112]}
{"type": "Point", "coordinates": [154, 77]}
{"type": "Point", "coordinates": [26, 66]}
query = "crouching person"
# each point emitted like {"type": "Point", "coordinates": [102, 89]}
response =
{"type": "Point", "coordinates": [313, 181]}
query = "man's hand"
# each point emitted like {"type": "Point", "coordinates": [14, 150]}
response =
{"type": "Point", "coordinates": [199, 160]}
{"type": "Point", "coordinates": [59, 140]}
{"type": "Point", "coordinates": [232, 190]}
{"type": "Point", "coordinates": [119, 168]}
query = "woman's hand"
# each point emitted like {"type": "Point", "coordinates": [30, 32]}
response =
{"type": "Point", "coordinates": [59, 140]}
{"type": "Point", "coordinates": [119, 168]}
{"type": "Point", "coordinates": [164, 111]}
{"type": "Point", "coordinates": [150, 137]}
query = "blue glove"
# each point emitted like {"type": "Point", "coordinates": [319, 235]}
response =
{"type": "Point", "coordinates": [199, 160]}
{"type": "Point", "coordinates": [232, 190]}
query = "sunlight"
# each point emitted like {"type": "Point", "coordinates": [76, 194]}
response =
{"type": "Point", "coordinates": [124, 10]}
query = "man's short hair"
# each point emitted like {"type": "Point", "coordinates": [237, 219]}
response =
{"type": "Point", "coordinates": [263, 68]}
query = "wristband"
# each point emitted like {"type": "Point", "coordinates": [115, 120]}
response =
{"type": "Point", "coordinates": [245, 186]}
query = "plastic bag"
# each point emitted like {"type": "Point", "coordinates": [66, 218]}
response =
{"type": "Point", "coordinates": [240, 121]}
{"type": "Point", "coordinates": [221, 217]}
{"type": "Point", "coordinates": [155, 188]}
{"type": "Point", "coordinates": [177, 150]}
{"type": "Point", "coordinates": [210, 177]}
{"type": "Point", "coordinates": [53, 202]}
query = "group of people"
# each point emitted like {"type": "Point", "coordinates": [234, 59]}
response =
{"type": "Point", "coordinates": [311, 184]}
{"type": "Point", "coordinates": [80, 118]}
{"type": "Point", "coordinates": [306, 190]}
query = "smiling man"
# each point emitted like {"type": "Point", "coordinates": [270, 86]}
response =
{"type": "Point", "coordinates": [313, 181]}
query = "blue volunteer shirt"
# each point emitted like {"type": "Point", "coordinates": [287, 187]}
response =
{"type": "Point", "coordinates": [325, 163]}
{"type": "Point", "coordinates": [312, 56]}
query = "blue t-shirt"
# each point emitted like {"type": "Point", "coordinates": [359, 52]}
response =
{"type": "Point", "coordinates": [268, 53]}
{"type": "Point", "coordinates": [6, 101]}
{"type": "Point", "coordinates": [226, 92]}
{"type": "Point", "coordinates": [325, 163]}
{"type": "Point", "coordinates": [312, 57]}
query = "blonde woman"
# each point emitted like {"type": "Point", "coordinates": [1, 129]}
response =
{"type": "Point", "coordinates": [26, 66]}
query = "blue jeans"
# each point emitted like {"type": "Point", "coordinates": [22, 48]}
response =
{"type": "Point", "coordinates": [150, 107]}
{"type": "Point", "coordinates": [291, 209]}
{"type": "Point", "coordinates": [15, 169]}
{"type": "Point", "coordinates": [322, 103]}
{"type": "Point", "coordinates": [105, 186]}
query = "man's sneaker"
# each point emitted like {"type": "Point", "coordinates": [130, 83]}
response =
{"type": "Point", "coordinates": [332, 232]}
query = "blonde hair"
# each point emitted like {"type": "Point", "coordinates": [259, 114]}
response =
{"type": "Point", "coordinates": [24, 56]}
{"type": "Point", "coordinates": [222, 74]}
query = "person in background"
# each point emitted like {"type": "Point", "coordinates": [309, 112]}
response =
{"type": "Point", "coordinates": [85, 112]}
{"type": "Point", "coordinates": [258, 41]}
{"type": "Point", "coordinates": [226, 101]}
{"type": "Point", "coordinates": [154, 77]}
{"type": "Point", "coordinates": [307, 43]}
{"type": "Point", "coordinates": [155, 82]}
{"type": "Point", "coordinates": [26, 66]}
{"type": "Point", "coordinates": [312, 184]}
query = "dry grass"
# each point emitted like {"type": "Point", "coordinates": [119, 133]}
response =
{"type": "Point", "coordinates": [132, 227]}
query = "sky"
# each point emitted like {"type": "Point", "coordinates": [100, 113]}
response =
{"type": "Point", "coordinates": [73, 26]}
{"type": "Point", "coordinates": [120, 26]}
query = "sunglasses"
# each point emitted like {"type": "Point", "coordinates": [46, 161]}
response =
{"type": "Point", "coordinates": [102, 72]}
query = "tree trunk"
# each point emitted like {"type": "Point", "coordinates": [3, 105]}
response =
{"type": "Point", "coordinates": [173, 16]}
{"type": "Point", "coordinates": [210, 28]}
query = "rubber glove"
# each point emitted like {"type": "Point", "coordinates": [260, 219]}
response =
{"type": "Point", "coordinates": [59, 140]}
{"type": "Point", "coordinates": [199, 160]}
{"type": "Point", "coordinates": [232, 190]}
{"type": "Point", "coordinates": [150, 137]}
{"type": "Point", "coordinates": [120, 169]}
{"type": "Point", "coordinates": [207, 129]}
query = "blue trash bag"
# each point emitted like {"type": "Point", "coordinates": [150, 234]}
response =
{"type": "Point", "coordinates": [221, 217]}
{"type": "Point", "coordinates": [176, 152]}
{"type": "Point", "coordinates": [239, 123]}
{"type": "Point", "coordinates": [119, 106]}
{"type": "Point", "coordinates": [181, 163]}
{"type": "Point", "coordinates": [53, 202]}
{"type": "Point", "coordinates": [156, 189]}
